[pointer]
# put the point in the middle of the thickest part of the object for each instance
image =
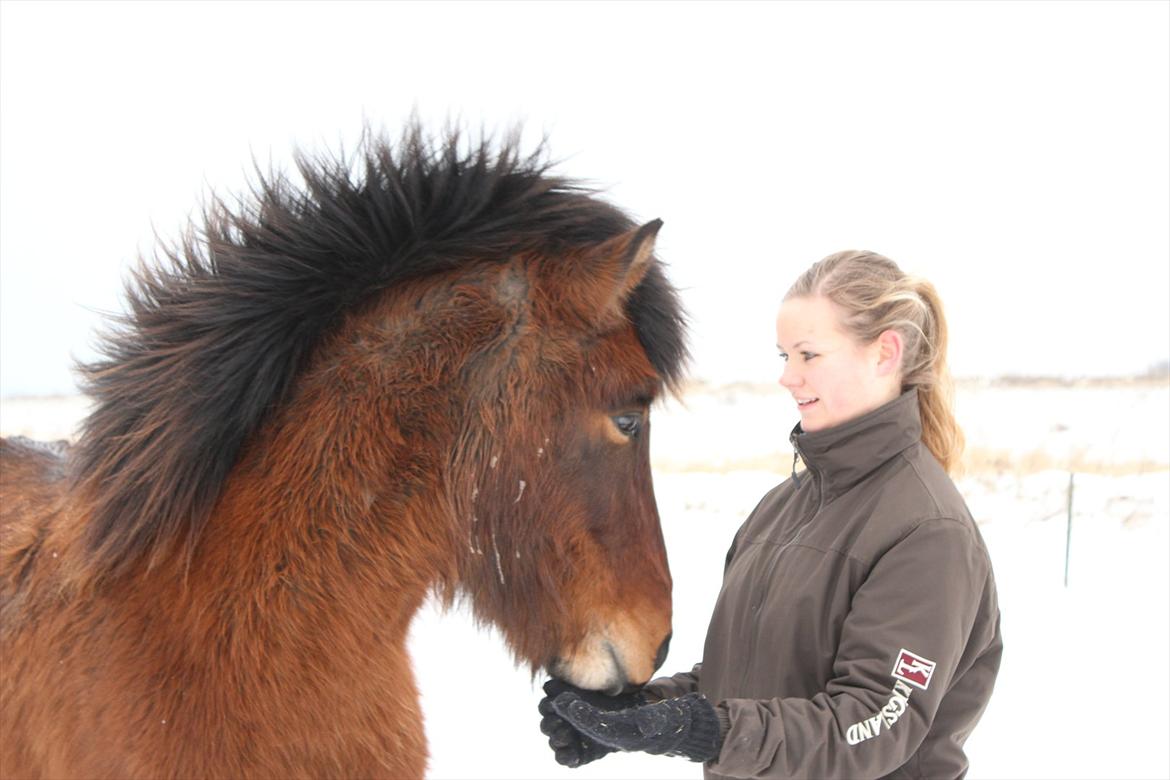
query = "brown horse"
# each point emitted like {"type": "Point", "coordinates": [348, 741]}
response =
{"type": "Point", "coordinates": [426, 369]}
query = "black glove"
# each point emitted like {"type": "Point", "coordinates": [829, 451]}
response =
{"type": "Point", "coordinates": [570, 747]}
{"type": "Point", "coordinates": [684, 726]}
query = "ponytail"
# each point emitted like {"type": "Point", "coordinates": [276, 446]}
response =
{"type": "Point", "coordinates": [940, 430]}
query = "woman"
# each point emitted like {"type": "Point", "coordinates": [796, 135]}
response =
{"type": "Point", "coordinates": [857, 630]}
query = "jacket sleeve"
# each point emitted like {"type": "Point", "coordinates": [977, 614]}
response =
{"type": "Point", "coordinates": [900, 646]}
{"type": "Point", "coordinates": [676, 685]}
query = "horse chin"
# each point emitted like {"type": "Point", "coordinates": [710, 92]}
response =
{"type": "Point", "coordinates": [614, 689]}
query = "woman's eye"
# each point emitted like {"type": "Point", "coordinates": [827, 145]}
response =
{"type": "Point", "coordinates": [784, 357]}
{"type": "Point", "coordinates": [628, 424]}
{"type": "Point", "coordinates": [808, 356]}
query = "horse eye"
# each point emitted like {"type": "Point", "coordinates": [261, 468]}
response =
{"type": "Point", "coordinates": [628, 424]}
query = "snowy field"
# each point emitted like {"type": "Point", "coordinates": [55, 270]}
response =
{"type": "Point", "coordinates": [1062, 707]}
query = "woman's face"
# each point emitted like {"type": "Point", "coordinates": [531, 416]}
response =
{"type": "Point", "coordinates": [832, 378]}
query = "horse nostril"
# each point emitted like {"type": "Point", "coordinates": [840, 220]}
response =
{"type": "Point", "coordinates": [662, 651]}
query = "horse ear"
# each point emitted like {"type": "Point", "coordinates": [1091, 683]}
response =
{"type": "Point", "coordinates": [640, 252]}
{"type": "Point", "coordinates": [631, 253]}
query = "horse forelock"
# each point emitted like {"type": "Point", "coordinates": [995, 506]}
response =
{"type": "Point", "coordinates": [218, 329]}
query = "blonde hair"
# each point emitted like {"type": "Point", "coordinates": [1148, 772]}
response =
{"type": "Point", "coordinates": [875, 295]}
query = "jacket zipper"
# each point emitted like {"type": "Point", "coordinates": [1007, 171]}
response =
{"type": "Point", "coordinates": [762, 588]}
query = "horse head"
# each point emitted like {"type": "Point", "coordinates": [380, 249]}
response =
{"type": "Point", "coordinates": [560, 544]}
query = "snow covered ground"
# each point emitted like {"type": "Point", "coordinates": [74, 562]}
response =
{"type": "Point", "coordinates": [1084, 691]}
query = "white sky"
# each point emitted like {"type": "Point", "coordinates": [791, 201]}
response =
{"type": "Point", "coordinates": [1018, 154]}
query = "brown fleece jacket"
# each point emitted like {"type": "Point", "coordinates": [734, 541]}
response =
{"type": "Point", "coordinates": [856, 634]}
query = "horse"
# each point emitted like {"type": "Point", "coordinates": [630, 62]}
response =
{"type": "Point", "coordinates": [424, 367]}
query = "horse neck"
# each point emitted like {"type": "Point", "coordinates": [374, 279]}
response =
{"type": "Point", "coordinates": [337, 507]}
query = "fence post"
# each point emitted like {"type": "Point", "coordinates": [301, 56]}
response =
{"type": "Point", "coordinates": [1068, 533]}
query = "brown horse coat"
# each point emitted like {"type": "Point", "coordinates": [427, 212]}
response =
{"type": "Point", "coordinates": [426, 370]}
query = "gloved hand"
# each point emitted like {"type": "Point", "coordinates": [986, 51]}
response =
{"type": "Point", "coordinates": [570, 747]}
{"type": "Point", "coordinates": [684, 726]}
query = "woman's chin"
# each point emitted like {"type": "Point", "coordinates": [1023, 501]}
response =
{"type": "Point", "coordinates": [810, 421]}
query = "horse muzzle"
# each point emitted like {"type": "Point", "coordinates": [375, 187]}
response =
{"type": "Point", "coordinates": [605, 665]}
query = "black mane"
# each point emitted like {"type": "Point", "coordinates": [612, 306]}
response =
{"type": "Point", "coordinates": [216, 332]}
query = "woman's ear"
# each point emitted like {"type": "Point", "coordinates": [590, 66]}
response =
{"type": "Point", "coordinates": [889, 352]}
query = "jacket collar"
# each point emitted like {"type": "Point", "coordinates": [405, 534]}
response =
{"type": "Point", "coordinates": [843, 455]}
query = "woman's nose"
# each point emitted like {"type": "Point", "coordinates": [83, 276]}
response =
{"type": "Point", "coordinates": [788, 377]}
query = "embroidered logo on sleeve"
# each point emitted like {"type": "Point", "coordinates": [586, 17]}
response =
{"type": "Point", "coordinates": [909, 669]}
{"type": "Point", "coordinates": [914, 669]}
